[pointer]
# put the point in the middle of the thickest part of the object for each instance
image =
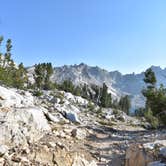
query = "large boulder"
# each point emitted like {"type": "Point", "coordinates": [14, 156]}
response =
{"type": "Point", "coordinates": [12, 98]}
{"type": "Point", "coordinates": [22, 125]}
{"type": "Point", "coordinates": [69, 111]}
{"type": "Point", "coordinates": [72, 116]}
{"type": "Point", "coordinates": [75, 99]}
{"type": "Point", "coordinates": [137, 156]}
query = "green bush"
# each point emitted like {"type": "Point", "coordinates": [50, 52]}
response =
{"type": "Point", "coordinates": [37, 93]}
{"type": "Point", "coordinates": [151, 119]}
{"type": "Point", "coordinates": [91, 106]}
{"type": "Point", "coordinates": [115, 112]}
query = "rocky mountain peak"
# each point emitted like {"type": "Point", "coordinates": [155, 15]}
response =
{"type": "Point", "coordinates": [118, 83]}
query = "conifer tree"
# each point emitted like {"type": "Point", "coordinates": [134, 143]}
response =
{"type": "Point", "coordinates": [49, 72]}
{"type": "Point", "coordinates": [105, 99]}
{"type": "Point", "coordinates": [124, 104]}
{"type": "Point", "coordinates": [20, 76]}
{"type": "Point", "coordinates": [85, 91]}
{"type": "Point", "coordinates": [1, 40]}
{"type": "Point", "coordinates": [42, 75]}
{"type": "Point", "coordinates": [7, 58]}
{"type": "Point", "coordinates": [150, 91]}
{"type": "Point", "coordinates": [150, 78]}
{"type": "Point", "coordinates": [39, 76]}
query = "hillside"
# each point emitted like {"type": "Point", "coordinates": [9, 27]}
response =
{"type": "Point", "coordinates": [61, 129]}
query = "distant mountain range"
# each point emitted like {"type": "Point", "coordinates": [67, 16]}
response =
{"type": "Point", "coordinates": [119, 84]}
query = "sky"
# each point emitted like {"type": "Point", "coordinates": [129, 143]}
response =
{"type": "Point", "coordinates": [124, 35]}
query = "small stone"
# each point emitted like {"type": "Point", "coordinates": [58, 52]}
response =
{"type": "Point", "coordinates": [2, 161]}
{"type": "Point", "coordinates": [16, 159]}
{"type": "Point", "coordinates": [78, 133]}
{"type": "Point", "coordinates": [52, 144]}
{"type": "Point", "coordinates": [163, 151]}
{"type": "Point", "coordinates": [25, 151]}
{"type": "Point", "coordinates": [3, 150]}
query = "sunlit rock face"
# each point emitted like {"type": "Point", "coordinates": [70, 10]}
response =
{"type": "Point", "coordinates": [22, 125]}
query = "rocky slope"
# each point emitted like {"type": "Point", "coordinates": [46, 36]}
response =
{"type": "Point", "coordinates": [65, 130]}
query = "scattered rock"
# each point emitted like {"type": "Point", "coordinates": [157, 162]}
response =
{"type": "Point", "coordinates": [156, 163]}
{"type": "Point", "coordinates": [38, 136]}
{"type": "Point", "coordinates": [79, 133]}
{"type": "Point", "coordinates": [51, 144]}
{"type": "Point", "coordinates": [51, 117]}
{"type": "Point", "coordinates": [16, 159]}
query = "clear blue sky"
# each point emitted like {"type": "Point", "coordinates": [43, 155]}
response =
{"type": "Point", "coordinates": [124, 35]}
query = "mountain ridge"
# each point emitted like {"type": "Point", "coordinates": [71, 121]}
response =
{"type": "Point", "coordinates": [119, 84]}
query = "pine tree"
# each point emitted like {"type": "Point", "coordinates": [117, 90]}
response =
{"type": "Point", "coordinates": [150, 78]}
{"type": "Point", "coordinates": [124, 104]}
{"type": "Point", "coordinates": [7, 58]}
{"type": "Point", "coordinates": [49, 72]}
{"type": "Point", "coordinates": [39, 76]}
{"type": "Point", "coordinates": [151, 90]}
{"type": "Point", "coordinates": [1, 40]}
{"type": "Point", "coordinates": [104, 96]}
{"type": "Point", "coordinates": [42, 75]}
{"type": "Point", "coordinates": [155, 98]}
{"type": "Point", "coordinates": [20, 76]}
{"type": "Point", "coordinates": [96, 97]}
{"type": "Point", "coordinates": [9, 74]}
{"type": "Point", "coordinates": [109, 100]}
{"type": "Point", "coordinates": [85, 91]}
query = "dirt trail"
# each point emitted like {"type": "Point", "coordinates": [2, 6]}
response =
{"type": "Point", "coordinates": [108, 145]}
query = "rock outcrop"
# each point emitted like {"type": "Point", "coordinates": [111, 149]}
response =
{"type": "Point", "coordinates": [137, 156]}
{"type": "Point", "coordinates": [22, 125]}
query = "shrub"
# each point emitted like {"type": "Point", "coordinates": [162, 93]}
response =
{"type": "Point", "coordinates": [37, 93]}
{"type": "Point", "coordinates": [91, 106]}
{"type": "Point", "coordinates": [115, 112]}
{"type": "Point", "coordinates": [151, 119]}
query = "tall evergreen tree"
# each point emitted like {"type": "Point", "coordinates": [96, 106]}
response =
{"type": "Point", "coordinates": [20, 76]}
{"type": "Point", "coordinates": [39, 76]}
{"type": "Point", "coordinates": [150, 78]}
{"type": "Point", "coordinates": [1, 40]}
{"type": "Point", "coordinates": [124, 104]}
{"type": "Point", "coordinates": [150, 91]}
{"type": "Point", "coordinates": [105, 99]}
{"type": "Point", "coordinates": [7, 58]}
{"type": "Point", "coordinates": [155, 98]}
{"type": "Point", "coordinates": [85, 91]}
{"type": "Point", "coordinates": [42, 75]}
{"type": "Point", "coordinates": [49, 72]}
